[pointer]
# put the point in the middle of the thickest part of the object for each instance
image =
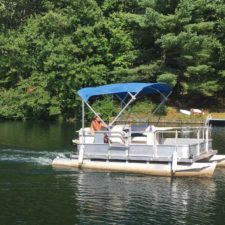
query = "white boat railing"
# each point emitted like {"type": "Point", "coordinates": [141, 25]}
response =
{"type": "Point", "coordinates": [188, 143]}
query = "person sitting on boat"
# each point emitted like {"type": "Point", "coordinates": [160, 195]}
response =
{"type": "Point", "coordinates": [97, 125]}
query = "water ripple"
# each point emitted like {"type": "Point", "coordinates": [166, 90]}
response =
{"type": "Point", "coordinates": [130, 199]}
{"type": "Point", "coordinates": [30, 156]}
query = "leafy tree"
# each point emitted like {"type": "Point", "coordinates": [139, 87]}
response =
{"type": "Point", "coordinates": [50, 49]}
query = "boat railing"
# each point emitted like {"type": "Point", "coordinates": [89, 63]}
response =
{"type": "Point", "coordinates": [158, 144]}
{"type": "Point", "coordinates": [191, 142]}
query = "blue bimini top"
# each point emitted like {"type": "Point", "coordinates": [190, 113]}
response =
{"type": "Point", "coordinates": [122, 89]}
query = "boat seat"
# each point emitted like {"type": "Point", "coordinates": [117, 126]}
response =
{"type": "Point", "coordinates": [117, 134]}
{"type": "Point", "coordinates": [139, 139]}
{"type": "Point", "coordinates": [89, 138]}
{"type": "Point", "coordinates": [147, 137]}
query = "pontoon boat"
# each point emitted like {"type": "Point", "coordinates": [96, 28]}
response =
{"type": "Point", "coordinates": [146, 149]}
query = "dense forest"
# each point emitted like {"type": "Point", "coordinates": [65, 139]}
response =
{"type": "Point", "coordinates": [49, 49]}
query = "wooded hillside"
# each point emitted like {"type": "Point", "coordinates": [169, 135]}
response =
{"type": "Point", "coordinates": [49, 49]}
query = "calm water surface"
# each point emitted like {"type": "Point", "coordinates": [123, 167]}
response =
{"type": "Point", "coordinates": [33, 193]}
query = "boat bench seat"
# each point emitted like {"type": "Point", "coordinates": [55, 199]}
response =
{"type": "Point", "coordinates": [117, 134]}
{"type": "Point", "coordinates": [147, 137]}
{"type": "Point", "coordinates": [89, 139]}
{"type": "Point", "coordinates": [141, 140]}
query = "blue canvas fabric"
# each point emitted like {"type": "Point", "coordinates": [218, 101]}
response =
{"type": "Point", "coordinates": [122, 89]}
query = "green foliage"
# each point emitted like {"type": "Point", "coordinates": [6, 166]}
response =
{"type": "Point", "coordinates": [50, 49]}
{"type": "Point", "coordinates": [107, 107]}
{"type": "Point", "coordinates": [10, 107]}
{"type": "Point", "coordinates": [168, 78]}
{"type": "Point", "coordinates": [145, 107]}
{"type": "Point", "coordinates": [142, 106]}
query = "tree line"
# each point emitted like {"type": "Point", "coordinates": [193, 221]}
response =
{"type": "Point", "coordinates": [49, 49]}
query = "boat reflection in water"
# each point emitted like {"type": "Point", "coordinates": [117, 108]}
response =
{"type": "Point", "coordinates": [119, 198]}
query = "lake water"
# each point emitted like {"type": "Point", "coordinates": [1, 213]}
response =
{"type": "Point", "coordinates": [34, 193]}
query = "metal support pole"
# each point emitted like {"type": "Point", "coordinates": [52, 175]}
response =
{"type": "Point", "coordinates": [161, 103]}
{"type": "Point", "coordinates": [164, 99]}
{"type": "Point", "coordinates": [198, 146]}
{"type": "Point", "coordinates": [154, 144]}
{"type": "Point", "coordinates": [176, 136]}
{"type": "Point", "coordinates": [83, 132]}
{"type": "Point", "coordinates": [207, 138]}
{"type": "Point", "coordinates": [81, 150]}
{"type": "Point", "coordinates": [133, 97]}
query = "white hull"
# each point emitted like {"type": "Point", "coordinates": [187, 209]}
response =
{"type": "Point", "coordinates": [219, 159]}
{"type": "Point", "coordinates": [156, 169]}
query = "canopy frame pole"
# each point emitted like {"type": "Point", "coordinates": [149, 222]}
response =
{"type": "Point", "coordinates": [96, 114]}
{"type": "Point", "coordinates": [133, 98]}
{"type": "Point", "coordinates": [165, 98]}
{"type": "Point", "coordinates": [162, 102]}
{"type": "Point", "coordinates": [124, 103]}
{"type": "Point", "coordinates": [81, 150]}
{"type": "Point", "coordinates": [122, 100]}
{"type": "Point", "coordinates": [83, 113]}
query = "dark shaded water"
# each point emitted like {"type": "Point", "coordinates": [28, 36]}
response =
{"type": "Point", "coordinates": [33, 193]}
